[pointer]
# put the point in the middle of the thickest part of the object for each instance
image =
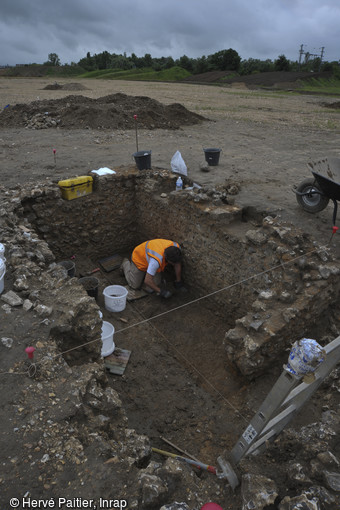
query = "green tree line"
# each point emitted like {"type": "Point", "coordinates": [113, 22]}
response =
{"type": "Point", "coordinates": [223, 60]}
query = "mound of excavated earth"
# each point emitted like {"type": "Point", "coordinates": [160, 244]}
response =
{"type": "Point", "coordinates": [65, 86]}
{"type": "Point", "coordinates": [115, 111]}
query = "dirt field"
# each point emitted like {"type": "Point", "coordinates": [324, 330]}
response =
{"type": "Point", "coordinates": [266, 139]}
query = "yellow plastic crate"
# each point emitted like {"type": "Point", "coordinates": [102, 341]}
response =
{"type": "Point", "coordinates": [76, 187]}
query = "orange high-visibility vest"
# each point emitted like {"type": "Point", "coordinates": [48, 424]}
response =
{"type": "Point", "coordinates": [155, 249]}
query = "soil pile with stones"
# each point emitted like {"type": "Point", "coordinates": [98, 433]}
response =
{"type": "Point", "coordinates": [335, 106]}
{"type": "Point", "coordinates": [65, 86]}
{"type": "Point", "coordinates": [114, 111]}
{"type": "Point", "coordinates": [275, 79]}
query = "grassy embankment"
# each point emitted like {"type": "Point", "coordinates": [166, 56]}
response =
{"type": "Point", "coordinates": [147, 74]}
{"type": "Point", "coordinates": [321, 86]}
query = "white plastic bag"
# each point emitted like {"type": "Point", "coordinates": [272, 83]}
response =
{"type": "Point", "coordinates": [103, 171]}
{"type": "Point", "coordinates": [178, 165]}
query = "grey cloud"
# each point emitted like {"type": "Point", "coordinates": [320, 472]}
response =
{"type": "Point", "coordinates": [29, 31]}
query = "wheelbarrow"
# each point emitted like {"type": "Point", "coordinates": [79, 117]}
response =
{"type": "Point", "coordinates": [313, 194]}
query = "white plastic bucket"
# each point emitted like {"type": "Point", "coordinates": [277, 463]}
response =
{"type": "Point", "coordinates": [2, 275]}
{"type": "Point", "coordinates": [2, 252]}
{"type": "Point", "coordinates": [115, 298]}
{"type": "Point", "coordinates": [107, 339]}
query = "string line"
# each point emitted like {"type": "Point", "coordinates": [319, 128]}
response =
{"type": "Point", "coordinates": [166, 312]}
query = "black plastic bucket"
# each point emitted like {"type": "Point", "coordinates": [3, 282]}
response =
{"type": "Point", "coordinates": [69, 266]}
{"type": "Point", "coordinates": [212, 156]}
{"type": "Point", "coordinates": [143, 159]}
{"type": "Point", "coordinates": [90, 284]}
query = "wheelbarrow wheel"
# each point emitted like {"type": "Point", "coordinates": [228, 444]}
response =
{"type": "Point", "coordinates": [309, 201]}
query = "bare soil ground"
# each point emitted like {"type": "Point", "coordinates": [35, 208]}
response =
{"type": "Point", "coordinates": [266, 139]}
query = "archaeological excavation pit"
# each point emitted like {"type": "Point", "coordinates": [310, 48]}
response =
{"type": "Point", "coordinates": [197, 354]}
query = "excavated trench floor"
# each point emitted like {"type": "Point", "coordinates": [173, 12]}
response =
{"type": "Point", "coordinates": [179, 384]}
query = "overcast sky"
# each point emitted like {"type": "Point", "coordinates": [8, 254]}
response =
{"type": "Point", "coordinates": [264, 29]}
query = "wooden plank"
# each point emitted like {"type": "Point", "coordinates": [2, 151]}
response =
{"type": "Point", "coordinates": [110, 263]}
{"type": "Point", "coordinates": [117, 361]}
{"type": "Point", "coordinates": [134, 294]}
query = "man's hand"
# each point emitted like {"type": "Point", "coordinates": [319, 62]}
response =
{"type": "Point", "coordinates": [164, 293]}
